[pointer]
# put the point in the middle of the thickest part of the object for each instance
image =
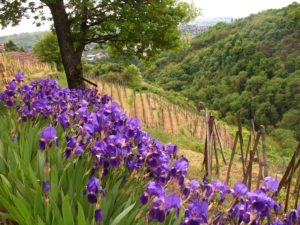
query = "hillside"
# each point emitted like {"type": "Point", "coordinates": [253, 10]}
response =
{"type": "Point", "coordinates": [251, 65]}
{"type": "Point", "coordinates": [25, 40]}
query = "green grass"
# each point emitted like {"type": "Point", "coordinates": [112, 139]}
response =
{"type": "Point", "coordinates": [62, 80]}
{"type": "Point", "coordinates": [181, 140]}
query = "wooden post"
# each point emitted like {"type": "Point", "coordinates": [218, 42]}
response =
{"type": "Point", "coordinates": [232, 155]}
{"type": "Point", "coordinates": [211, 123]}
{"type": "Point", "coordinates": [220, 144]}
{"type": "Point", "coordinates": [249, 169]}
{"type": "Point", "coordinates": [216, 154]}
{"type": "Point", "coordinates": [264, 146]}
{"type": "Point", "coordinates": [289, 167]}
{"type": "Point", "coordinates": [248, 146]}
{"type": "Point", "coordinates": [150, 109]}
{"type": "Point", "coordinates": [289, 182]}
{"type": "Point", "coordinates": [207, 155]}
{"type": "Point", "coordinates": [241, 142]}
{"type": "Point", "coordinates": [297, 189]}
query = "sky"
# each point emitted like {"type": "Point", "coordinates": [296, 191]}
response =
{"type": "Point", "coordinates": [209, 9]}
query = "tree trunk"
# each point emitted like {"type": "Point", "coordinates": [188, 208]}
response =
{"type": "Point", "coordinates": [71, 58]}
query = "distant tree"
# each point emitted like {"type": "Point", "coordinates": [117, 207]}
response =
{"type": "Point", "coordinates": [132, 76]}
{"type": "Point", "coordinates": [47, 50]}
{"type": "Point", "coordinates": [10, 46]}
{"type": "Point", "coordinates": [291, 120]}
{"type": "Point", "coordinates": [134, 27]}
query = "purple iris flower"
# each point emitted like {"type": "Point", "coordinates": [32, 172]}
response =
{"type": "Point", "coordinates": [12, 86]}
{"type": "Point", "coordinates": [191, 188]}
{"type": "Point", "coordinates": [93, 189]}
{"type": "Point", "coordinates": [171, 149]}
{"type": "Point", "coordinates": [47, 135]}
{"type": "Point", "coordinates": [79, 149]}
{"type": "Point", "coordinates": [293, 217]}
{"type": "Point", "coordinates": [173, 201]}
{"type": "Point", "coordinates": [89, 128]}
{"type": "Point", "coordinates": [180, 166]}
{"type": "Point", "coordinates": [270, 184]}
{"type": "Point", "coordinates": [240, 189]}
{"type": "Point", "coordinates": [98, 215]}
{"type": "Point", "coordinates": [261, 202]}
{"type": "Point", "coordinates": [179, 169]}
{"type": "Point", "coordinates": [277, 222]}
{"type": "Point", "coordinates": [63, 120]}
{"type": "Point", "coordinates": [277, 208]}
{"type": "Point", "coordinates": [46, 187]}
{"type": "Point", "coordinates": [240, 212]}
{"type": "Point", "coordinates": [157, 214]}
{"type": "Point", "coordinates": [220, 187]}
{"type": "Point", "coordinates": [153, 189]}
{"type": "Point", "coordinates": [19, 77]}
{"type": "Point", "coordinates": [144, 199]}
{"type": "Point", "coordinates": [197, 213]}
{"type": "Point", "coordinates": [105, 99]}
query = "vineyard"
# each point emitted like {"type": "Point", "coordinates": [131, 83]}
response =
{"type": "Point", "coordinates": [157, 112]}
{"type": "Point", "coordinates": [15, 62]}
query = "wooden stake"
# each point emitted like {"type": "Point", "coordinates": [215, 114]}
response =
{"type": "Point", "coordinates": [220, 144]}
{"type": "Point", "coordinates": [207, 149]}
{"type": "Point", "coordinates": [288, 169]}
{"type": "Point", "coordinates": [232, 155]}
{"type": "Point", "coordinates": [241, 142]}
{"type": "Point", "coordinates": [297, 189]}
{"type": "Point", "coordinates": [289, 182]}
{"type": "Point", "coordinates": [216, 154]}
{"type": "Point", "coordinates": [249, 169]}
{"type": "Point", "coordinates": [248, 146]}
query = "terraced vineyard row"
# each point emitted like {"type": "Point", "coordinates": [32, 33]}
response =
{"type": "Point", "coordinates": [157, 112]}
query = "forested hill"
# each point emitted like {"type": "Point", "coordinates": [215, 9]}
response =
{"type": "Point", "coordinates": [25, 40]}
{"type": "Point", "coordinates": [251, 65]}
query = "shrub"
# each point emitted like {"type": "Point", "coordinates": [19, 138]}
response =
{"type": "Point", "coordinates": [132, 76]}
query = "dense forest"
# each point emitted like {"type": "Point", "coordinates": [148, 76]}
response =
{"type": "Point", "coordinates": [24, 40]}
{"type": "Point", "coordinates": [251, 65]}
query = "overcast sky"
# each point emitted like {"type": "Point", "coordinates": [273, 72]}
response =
{"type": "Point", "coordinates": [209, 8]}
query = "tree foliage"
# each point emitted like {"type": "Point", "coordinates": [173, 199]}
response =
{"type": "Point", "coordinates": [132, 75]}
{"type": "Point", "coordinates": [143, 28]}
{"type": "Point", "coordinates": [47, 50]}
{"type": "Point", "coordinates": [10, 46]}
{"type": "Point", "coordinates": [251, 65]}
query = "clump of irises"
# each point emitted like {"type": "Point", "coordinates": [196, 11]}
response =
{"type": "Point", "coordinates": [94, 125]}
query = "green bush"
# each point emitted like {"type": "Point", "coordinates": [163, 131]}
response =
{"type": "Point", "coordinates": [132, 76]}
